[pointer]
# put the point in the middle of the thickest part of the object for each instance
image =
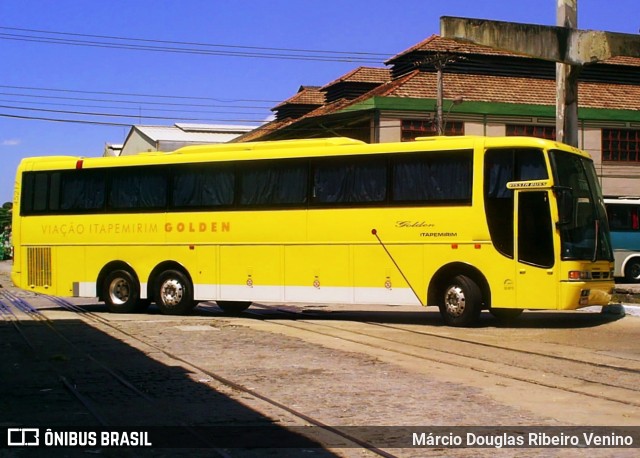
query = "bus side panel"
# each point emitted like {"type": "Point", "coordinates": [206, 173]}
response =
{"type": "Point", "coordinates": [205, 275]}
{"type": "Point", "coordinates": [251, 273]}
{"type": "Point", "coordinates": [70, 271]}
{"type": "Point", "coordinates": [500, 273]}
{"type": "Point", "coordinates": [378, 280]}
{"type": "Point", "coordinates": [318, 273]}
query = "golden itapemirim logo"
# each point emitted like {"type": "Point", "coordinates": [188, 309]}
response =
{"type": "Point", "coordinates": [74, 229]}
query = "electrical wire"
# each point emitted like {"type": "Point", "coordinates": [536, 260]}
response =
{"type": "Point", "coordinates": [115, 115]}
{"type": "Point", "coordinates": [129, 94]}
{"type": "Point", "coordinates": [114, 42]}
{"type": "Point", "coordinates": [154, 45]}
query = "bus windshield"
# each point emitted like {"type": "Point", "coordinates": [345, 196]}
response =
{"type": "Point", "coordinates": [584, 231]}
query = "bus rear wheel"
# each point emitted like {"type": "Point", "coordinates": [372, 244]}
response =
{"type": "Point", "coordinates": [233, 307]}
{"type": "Point", "coordinates": [174, 293]}
{"type": "Point", "coordinates": [461, 302]}
{"type": "Point", "coordinates": [121, 292]}
{"type": "Point", "coordinates": [632, 271]}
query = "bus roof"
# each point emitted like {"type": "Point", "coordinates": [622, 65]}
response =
{"type": "Point", "coordinates": [336, 146]}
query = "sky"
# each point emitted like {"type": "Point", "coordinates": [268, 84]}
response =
{"type": "Point", "coordinates": [76, 74]}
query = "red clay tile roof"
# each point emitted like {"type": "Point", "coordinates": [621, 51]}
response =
{"type": "Point", "coordinates": [503, 89]}
{"type": "Point", "coordinates": [265, 129]}
{"type": "Point", "coordinates": [363, 75]}
{"type": "Point", "coordinates": [436, 43]}
{"type": "Point", "coordinates": [623, 60]}
{"type": "Point", "coordinates": [306, 95]}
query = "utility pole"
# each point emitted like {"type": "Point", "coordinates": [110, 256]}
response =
{"type": "Point", "coordinates": [570, 47]}
{"type": "Point", "coordinates": [567, 81]}
{"type": "Point", "coordinates": [439, 61]}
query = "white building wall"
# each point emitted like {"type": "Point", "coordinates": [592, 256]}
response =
{"type": "Point", "coordinates": [136, 143]}
{"type": "Point", "coordinates": [390, 130]}
{"type": "Point", "coordinates": [591, 142]}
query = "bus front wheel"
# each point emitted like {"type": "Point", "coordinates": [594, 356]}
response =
{"type": "Point", "coordinates": [122, 292]}
{"type": "Point", "coordinates": [461, 302]}
{"type": "Point", "coordinates": [174, 293]}
{"type": "Point", "coordinates": [632, 271]}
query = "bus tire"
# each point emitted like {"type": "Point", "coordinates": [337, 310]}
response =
{"type": "Point", "coordinates": [121, 292]}
{"type": "Point", "coordinates": [632, 271]}
{"type": "Point", "coordinates": [174, 293]}
{"type": "Point", "coordinates": [233, 307]}
{"type": "Point", "coordinates": [461, 302]}
{"type": "Point", "coordinates": [505, 314]}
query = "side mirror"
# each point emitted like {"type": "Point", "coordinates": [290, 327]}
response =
{"type": "Point", "coordinates": [566, 207]}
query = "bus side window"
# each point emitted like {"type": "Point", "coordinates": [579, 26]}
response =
{"type": "Point", "coordinates": [139, 188]}
{"type": "Point", "coordinates": [273, 183]}
{"type": "Point", "coordinates": [40, 192]}
{"type": "Point", "coordinates": [78, 190]}
{"type": "Point", "coordinates": [26, 199]}
{"type": "Point", "coordinates": [433, 178]}
{"type": "Point", "coordinates": [202, 186]}
{"type": "Point", "coordinates": [361, 180]}
{"type": "Point", "coordinates": [623, 217]}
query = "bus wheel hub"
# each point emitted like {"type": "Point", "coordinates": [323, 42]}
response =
{"type": "Point", "coordinates": [454, 301]}
{"type": "Point", "coordinates": [119, 291]}
{"type": "Point", "coordinates": [171, 292]}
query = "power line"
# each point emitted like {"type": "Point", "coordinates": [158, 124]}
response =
{"type": "Point", "coordinates": [182, 47]}
{"type": "Point", "coordinates": [115, 115]}
{"type": "Point", "coordinates": [130, 102]}
{"type": "Point", "coordinates": [187, 43]}
{"type": "Point", "coordinates": [74, 121]}
{"type": "Point", "coordinates": [128, 94]}
{"type": "Point", "coordinates": [146, 109]}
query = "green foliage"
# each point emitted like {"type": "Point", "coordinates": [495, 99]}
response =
{"type": "Point", "coordinates": [5, 216]}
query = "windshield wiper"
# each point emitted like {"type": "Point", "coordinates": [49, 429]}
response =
{"type": "Point", "coordinates": [596, 236]}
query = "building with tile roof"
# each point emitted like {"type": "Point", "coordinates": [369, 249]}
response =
{"type": "Point", "coordinates": [486, 92]}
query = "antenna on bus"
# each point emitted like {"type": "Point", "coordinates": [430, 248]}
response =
{"type": "Point", "coordinates": [375, 234]}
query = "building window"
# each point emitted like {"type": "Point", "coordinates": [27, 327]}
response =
{"type": "Point", "coordinates": [621, 145]}
{"type": "Point", "coordinates": [413, 128]}
{"type": "Point", "coordinates": [527, 130]}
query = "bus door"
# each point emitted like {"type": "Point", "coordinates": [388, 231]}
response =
{"type": "Point", "coordinates": [536, 270]}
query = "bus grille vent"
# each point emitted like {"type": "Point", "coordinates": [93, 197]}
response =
{"type": "Point", "coordinates": [39, 266]}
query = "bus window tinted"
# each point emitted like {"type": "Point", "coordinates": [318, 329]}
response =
{"type": "Point", "coordinates": [623, 217]}
{"type": "Point", "coordinates": [358, 180]}
{"type": "Point", "coordinates": [203, 185]}
{"type": "Point", "coordinates": [432, 178]}
{"type": "Point", "coordinates": [273, 183]}
{"type": "Point", "coordinates": [78, 190]}
{"type": "Point", "coordinates": [139, 188]}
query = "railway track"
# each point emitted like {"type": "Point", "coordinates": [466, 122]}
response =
{"type": "Point", "coordinates": [603, 377]}
{"type": "Point", "coordinates": [9, 301]}
{"type": "Point", "coordinates": [590, 376]}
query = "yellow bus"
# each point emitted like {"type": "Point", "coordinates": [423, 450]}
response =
{"type": "Point", "coordinates": [462, 223]}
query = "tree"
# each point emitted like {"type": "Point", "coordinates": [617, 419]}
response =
{"type": "Point", "coordinates": [5, 215]}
